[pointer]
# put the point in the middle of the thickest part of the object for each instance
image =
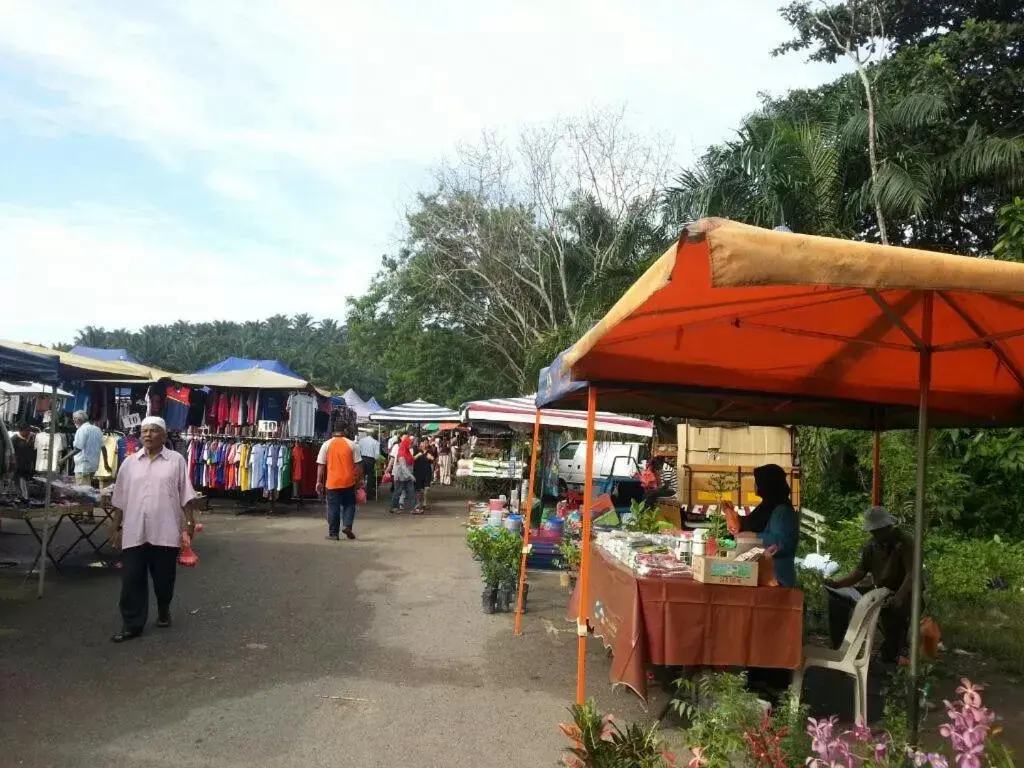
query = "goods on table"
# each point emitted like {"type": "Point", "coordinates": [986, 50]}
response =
{"type": "Point", "coordinates": [490, 468]}
{"type": "Point", "coordinates": [679, 554]}
{"type": "Point", "coordinates": [648, 554]}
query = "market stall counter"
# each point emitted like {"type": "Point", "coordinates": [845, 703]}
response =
{"type": "Point", "coordinates": [677, 621]}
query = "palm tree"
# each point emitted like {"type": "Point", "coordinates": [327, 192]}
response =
{"type": "Point", "coordinates": [776, 171]}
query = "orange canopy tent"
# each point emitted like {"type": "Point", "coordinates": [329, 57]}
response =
{"type": "Point", "coordinates": [767, 327]}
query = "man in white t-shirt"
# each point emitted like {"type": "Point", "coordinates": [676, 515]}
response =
{"type": "Point", "coordinates": [369, 449]}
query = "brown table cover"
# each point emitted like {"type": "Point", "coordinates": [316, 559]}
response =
{"type": "Point", "coordinates": [681, 622]}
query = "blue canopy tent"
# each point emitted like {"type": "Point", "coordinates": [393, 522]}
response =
{"type": "Point", "coordinates": [245, 364]}
{"type": "Point", "coordinates": [110, 355]}
{"type": "Point", "coordinates": [20, 365]}
{"type": "Point", "coordinates": [373, 405]}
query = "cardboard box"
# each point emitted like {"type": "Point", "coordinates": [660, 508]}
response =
{"type": "Point", "coordinates": [721, 570]}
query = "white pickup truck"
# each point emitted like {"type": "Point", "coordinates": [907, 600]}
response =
{"type": "Point", "coordinates": [616, 459]}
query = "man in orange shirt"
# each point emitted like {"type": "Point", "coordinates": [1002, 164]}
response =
{"type": "Point", "coordinates": [339, 473]}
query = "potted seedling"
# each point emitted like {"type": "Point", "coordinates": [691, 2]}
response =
{"type": "Point", "coordinates": [508, 547]}
{"type": "Point", "coordinates": [569, 557]}
{"type": "Point", "coordinates": [722, 484]}
{"type": "Point", "coordinates": [644, 519]}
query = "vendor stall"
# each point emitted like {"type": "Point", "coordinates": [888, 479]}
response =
{"type": "Point", "coordinates": [251, 428]}
{"type": "Point", "coordinates": [678, 621]}
{"type": "Point", "coordinates": [417, 412]}
{"type": "Point", "coordinates": [766, 327]}
{"type": "Point", "coordinates": [66, 502]}
{"type": "Point", "coordinates": [518, 411]}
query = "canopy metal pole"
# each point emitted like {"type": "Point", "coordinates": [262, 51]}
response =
{"type": "Point", "coordinates": [922, 476]}
{"type": "Point", "coordinates": [44, 547]}
{"type": "Point", "coordinates": [527, 522]}
{"type": "Point", "coordinates": [876, 467]}
{"type": "Point", "coordinates": [583, 607]}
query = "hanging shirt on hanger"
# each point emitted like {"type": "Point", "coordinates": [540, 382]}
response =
{"type": "Point", "coordinates": [176, 406]}
{"type": "Point", "coordinates": [43, 459]}
{"type": "Point", "coordinates": [258, 466]}
{"type": "Point", "coordinates": [301, 415]}
{"type": "Point", "coordinates": [270, 481]}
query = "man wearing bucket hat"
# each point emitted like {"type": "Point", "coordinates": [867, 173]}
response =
{"type": "Point", "coordinates": [887, 558]}
{"type": "Point", "coordinates": [150, 496]}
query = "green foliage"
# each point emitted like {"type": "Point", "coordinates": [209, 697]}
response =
{"type": "Point", "coordinates": [894, 712]}
{"type": "Point", "coordinates": [1010, 246]}
{"type": "Point", "coordinates": [499, 552]}
{"type": "Point", "coordinates": [600, 742]}
{"type": "Point", "coordinates": [644, 519]}
{"type": "Point", "coordinates": [569, 554]}
{"type": "Point", "coordinates": [719, 710]}
{"type": "Point", "coordinates": [316, 350]}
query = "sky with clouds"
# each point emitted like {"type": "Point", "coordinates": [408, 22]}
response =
{"type": "Point", "coordinates": [201, 160]}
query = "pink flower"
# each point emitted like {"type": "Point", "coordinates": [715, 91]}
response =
{"type": "Point", "coordinates": [969, 693]}
{"type": "Point", "coordinates": [698, 758]}
{"type": "Point", "coordinates": [572, 762]}
{"type": "Point", "coordinates": [861, 733]}
{"type": "Point", "coordinates": [607, 728]}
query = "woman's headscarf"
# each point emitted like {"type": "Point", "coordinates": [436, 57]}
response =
{"type": "Point", "coordinates": [770, 484]}
{"type": "Point", "coordinates": [403, 450]}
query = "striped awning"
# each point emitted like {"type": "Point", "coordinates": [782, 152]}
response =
{"type": "Point", "coordinates": [522, 410]}
{"type": "Point", "coordinates": [416, 412]}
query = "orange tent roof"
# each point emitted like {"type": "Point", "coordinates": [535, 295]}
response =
{"type": "Point", "coordinates": [745, 324]}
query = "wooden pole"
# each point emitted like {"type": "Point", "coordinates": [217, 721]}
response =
{"type": "Point", "coordinates": [44, 547]}
{"type": "Point", "coordinates": [922, 477]}
{"type": "Point", "coordinates": [876, 469]}
{"type": "Point", "coordinates": [584, 585]}
{"type": "Point", "coordinates": [527, 522]}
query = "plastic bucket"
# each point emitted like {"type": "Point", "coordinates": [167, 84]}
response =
{"type": "Point", "coordinates": [514, 523]}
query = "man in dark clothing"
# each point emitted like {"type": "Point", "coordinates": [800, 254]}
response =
{"type": "Point", "coordinates": [888, 558]}
{"type": "Point", "coordinates": [24, 441]}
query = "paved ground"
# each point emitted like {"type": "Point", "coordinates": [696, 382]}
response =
{"type": "Point", "coordinates": [290, 650]}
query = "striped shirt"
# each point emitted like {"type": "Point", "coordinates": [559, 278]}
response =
{"type": "Point", "coordinates": [670, 477]}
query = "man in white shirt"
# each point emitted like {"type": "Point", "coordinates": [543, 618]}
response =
{"type": "Point", "coordinates": [369, 449]}
{"type": "Point", "coordinates": [87, 448]}
{"type": "Point", "coordinates": [153, 503]}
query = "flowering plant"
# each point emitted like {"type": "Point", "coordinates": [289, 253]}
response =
{"type": "Point", "coordinates": [599, 742]}
{"type": "Point", "coordinates": [967, 733]}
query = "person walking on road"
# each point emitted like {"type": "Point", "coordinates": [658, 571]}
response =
{"type": "Point", "coordinates": [369, 449]}
{"type": "Point", "coordinates": [444, 461]}
{"type": "Point", "coordinates": [339, 472]}
{"type": "Point", "coordinates": [403, 491]}
{"type": "Point", "coordinates": [151, 499]}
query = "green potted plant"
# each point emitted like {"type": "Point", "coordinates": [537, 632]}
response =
{"type": "Point", "coordinates": [644, 519]}
{"type": "Point", "coordinates": [569, 557]}
{"type": "Point", "coordinates": [722, 484]}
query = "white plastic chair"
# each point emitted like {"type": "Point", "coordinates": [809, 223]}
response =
{"type": "Point", "coordinates": [854, 654]}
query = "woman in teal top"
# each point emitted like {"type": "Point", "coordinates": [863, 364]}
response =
{"type": "Point", "coordinates": [775, 521]}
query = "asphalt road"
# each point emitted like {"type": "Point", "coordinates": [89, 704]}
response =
{"type": "Point", "coordinates": [291, 650]}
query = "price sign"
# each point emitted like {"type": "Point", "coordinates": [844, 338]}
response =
{"type": "Point", "coordinates": [131, 421]}
{"type": "Point", "coordinates": [266, 427]}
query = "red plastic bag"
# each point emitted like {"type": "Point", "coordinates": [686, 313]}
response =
{"type": "Point", "coordinates": [386, 479]}
{"type": "Point", "coordinates": [360, 495]}
{"type": "Point", "coordinates": [187, 557]}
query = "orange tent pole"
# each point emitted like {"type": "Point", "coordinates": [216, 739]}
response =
{"type": "Point", "coordinates": [527, 523]}
{"type": "Point", "coordinates": [588, 503]}
{"type": "Point", "coordinates": [876, 466]}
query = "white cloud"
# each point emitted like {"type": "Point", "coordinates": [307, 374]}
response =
{"type": "Point", "coordinates": [127, 268]}
{"type": "Point", "coordinates": [248, 97]}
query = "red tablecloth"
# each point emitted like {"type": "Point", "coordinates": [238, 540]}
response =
{"type": "Point", "coordinates": [681, 622]}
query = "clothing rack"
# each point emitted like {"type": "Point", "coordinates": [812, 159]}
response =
{"type": "Point", "coordinates": [262, 498]}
